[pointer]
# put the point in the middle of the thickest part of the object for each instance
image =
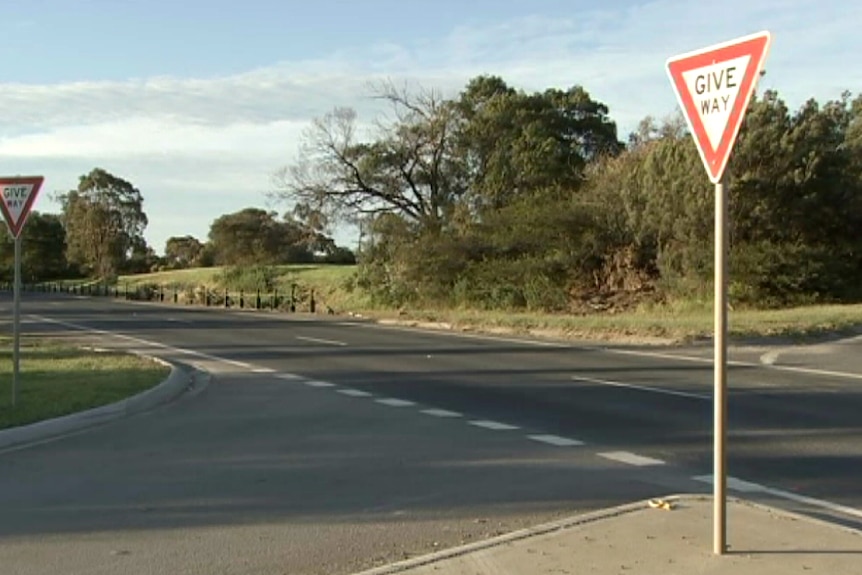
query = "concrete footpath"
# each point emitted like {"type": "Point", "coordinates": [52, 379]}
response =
{"type": "Point", "coordinates": [643, 539]}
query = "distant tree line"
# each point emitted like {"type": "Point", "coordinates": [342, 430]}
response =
{"type": "Point", "coordinates": [501, 198]}
{"type": "Point", "coordinates": [99, 234]}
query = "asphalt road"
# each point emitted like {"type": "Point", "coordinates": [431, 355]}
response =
{"type": "Point", "coordinates": [325, 446]}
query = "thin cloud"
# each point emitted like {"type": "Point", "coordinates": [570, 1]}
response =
{"type": "Point", "coordinates": [176, 138]}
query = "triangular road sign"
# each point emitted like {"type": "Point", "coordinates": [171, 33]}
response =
{"type": "Point", "coordinates": [16, 198]}
{"type": "Point", "coordinates": [714, 86]}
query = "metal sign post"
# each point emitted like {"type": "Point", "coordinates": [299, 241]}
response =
{"type": "Point", "coordinates": [720, 373]}
{"type": "Point", "coordinates": [16, 322]}
{"type": "Point", "coordinates": [714, 86]}
{"type": "Point", "coordinates": [17, 195]}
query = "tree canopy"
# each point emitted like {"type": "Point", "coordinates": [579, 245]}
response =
{"type": "Point", "coordinates": [104, 220]}
{"type": "Point", "coordinates": [255, 236]}
{"type": "Point", "coordinates": [504, 198]}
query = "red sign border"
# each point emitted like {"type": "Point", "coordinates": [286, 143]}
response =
{"type": "Point", "coordinates": [16, 227]}
{"type": "Point", "coordinates": [755, 45]}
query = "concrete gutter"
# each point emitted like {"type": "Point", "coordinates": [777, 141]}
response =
{"type": "Point", "coordinates": [177, 382]}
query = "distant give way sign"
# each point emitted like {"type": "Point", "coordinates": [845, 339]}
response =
{"type": "Point", "coordinates": [16, 198]}
{"type": "Point", "coordinates": [714, 86]}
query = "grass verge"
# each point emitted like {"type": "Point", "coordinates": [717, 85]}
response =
{"type": "Point", "coordinates": [656, 325]}
{"type": "Point", "coordinates": [59, 379]}
{"type": "Point", "coordinates": [678, 322]}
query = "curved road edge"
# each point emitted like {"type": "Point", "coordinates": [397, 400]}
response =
{"type": "Point", "coordinates": [178, 382]}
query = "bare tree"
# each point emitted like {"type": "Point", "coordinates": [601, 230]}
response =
{"type": "Point", "coordinates": [408, 166]}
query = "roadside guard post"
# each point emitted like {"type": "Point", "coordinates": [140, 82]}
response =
{"type": "Point", "coordinates": [16, 200]}
{"type": "Point", "coordinates": [714, 86]}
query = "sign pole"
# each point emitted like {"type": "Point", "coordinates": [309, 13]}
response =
{"type": "Point", "coordinates": [17, 195]}
{"type": "Point", "coordinates": [714, 86]}
{"type": "Point", "coordinates": [16, 322]}
{"type": "Point", "coordinates": [720, 372]}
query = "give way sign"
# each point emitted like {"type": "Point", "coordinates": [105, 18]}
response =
{"type": "Point", "coordinates": [714, 86]}
{"type": "Point", "coordinates": [17, 195]}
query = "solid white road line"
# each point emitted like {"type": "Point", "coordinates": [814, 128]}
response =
{"type": "Point", "coordinates": [495, 425]}
{"type": "Point", "coordinates": [354, 392]}
{"type": "Point", "coordinates": [393, 402]}
{"type": "Point", "coordinates": [733, 483]}
{"type": "Point", "coordinates": [314, 383]}
{"type": "Point", "coordinates": [812, 371]}
{"type": "Point", "coordinates": [441, 413]}
{"type": "Point", "coordinates": [747, 487]}
{"type": "Point", "coordinates": [643, 388]}
{"type": "Point", "coordinates": [159, 345]}
{"type": "Point", "coordinates": [788, 368]}
{"type": "Point", "coordinates": [556, 440]}
{"type": "Point", "coordinates": [321, 341]}
{"type": "Point", "coordinates": [462, 335]}
{"type": "Point", "coordinates": [631, 458]}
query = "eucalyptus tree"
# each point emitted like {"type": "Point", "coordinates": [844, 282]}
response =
{"type": "Point", "coordinates": [104, 220]}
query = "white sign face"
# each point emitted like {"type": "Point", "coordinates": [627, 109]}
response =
{"type": "Point", "coordinates": [714, 90]}
{"type": "Point", "coordinates": [15, 197]}
{"type": "Point", "coordinates": [714, 86]}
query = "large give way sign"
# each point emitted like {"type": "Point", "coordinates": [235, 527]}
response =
{"type": "Point", "coordinates": [17, 195]}
{"type": "Point", "coordinates": [714, 86]}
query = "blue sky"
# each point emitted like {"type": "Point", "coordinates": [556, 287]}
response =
{"type": "Point", "coordinates": [200, 103]}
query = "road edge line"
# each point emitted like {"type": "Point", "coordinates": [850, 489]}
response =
{"type": "Point", "coordinates": [177, 382]}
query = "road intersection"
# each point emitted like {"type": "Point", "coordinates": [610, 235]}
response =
{"type": "Point", "coordinates": [327, 446]}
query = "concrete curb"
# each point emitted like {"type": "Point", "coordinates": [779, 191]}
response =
{"type": "Point", "coordinates": [543, 529]}
{"type": "Point", "coordinates": [176, 383]}
{"type": "Point", "coordinates": [583, 519]}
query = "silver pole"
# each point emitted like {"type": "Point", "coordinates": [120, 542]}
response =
{"type": "Point", "coordinates": [720, 373]}
{"type": "Point", "coordinates": [16, 321]}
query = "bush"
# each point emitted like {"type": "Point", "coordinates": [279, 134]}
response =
{"type": "Point", "coordinates": [340, 256]}
{"type": "Point", "coordinates": [144, 292]}
{"type": "Point", "coordinates": [767, 274]}
{"type": "Point", "coordinates": [248, 278]}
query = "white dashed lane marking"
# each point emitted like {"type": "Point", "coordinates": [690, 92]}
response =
{"type": "Point", "coordinates": [315, 383]}
{"type": "Point", "coordinates": [620, 456]}
{"type": "Point", "coordinates": [441, 413]}
{"type": "Point", "coordinates": [631, 458]}
{"type": "Point", "coordinates": [353, 392]}
{"type": "Point", "coordinates": [262, 370]}
{"type": "Point", "coordinates": [495, 425]}
{"type": "Point", "coordinates": [321, 341]}
{"type": "Point", "coordinates": [556, 440]}
{"type": "Point", "coordinates": [393, 402]}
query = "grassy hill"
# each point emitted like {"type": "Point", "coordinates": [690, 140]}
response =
{"type": "Point", "coordinates": [330, 284]}
{"type": "Point", "coordinates": [334, 289]}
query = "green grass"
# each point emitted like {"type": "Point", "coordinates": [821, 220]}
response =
{"type": "Point", "coordinates": [679, 321]}
{"type": "Point", "coordinates": [58, 379]}
{"type": "Point", "coordinates": [175, 278]}
{"type": "Point", "coordinates": [327, 281]}
{"type": "Point", "coordinates": [659, 325]}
